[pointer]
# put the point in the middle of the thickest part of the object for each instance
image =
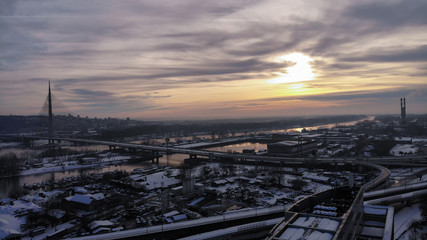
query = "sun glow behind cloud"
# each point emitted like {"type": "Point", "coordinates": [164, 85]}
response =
{"type": "Point", "coordinates": [300, 71]}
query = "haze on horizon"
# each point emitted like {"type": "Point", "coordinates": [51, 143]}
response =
{"type": "Point", "coordinates": [228, 59]}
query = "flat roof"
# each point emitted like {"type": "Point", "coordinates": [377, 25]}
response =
{"type": "Point", "coordinates": [288, 143]}
{"type": "Point", "coordinates": [375, 210]}
{"type": "Point", "coordinates": [309, 226]}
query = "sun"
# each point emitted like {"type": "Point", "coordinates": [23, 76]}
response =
{"type": "Point", "coordinates": [300, 71]}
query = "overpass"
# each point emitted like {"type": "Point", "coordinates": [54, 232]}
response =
{"type": "Point", "coordinates": [402, 197]}
{"type": "Point", "coordinates": [395, 190]}
{"type": "Point", "coordinates": [397, 194]}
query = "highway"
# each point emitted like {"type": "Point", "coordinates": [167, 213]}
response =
{"type": "Point", "coordinates": [395, 190]}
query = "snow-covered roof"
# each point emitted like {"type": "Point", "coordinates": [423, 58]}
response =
{"type": "Point", "coordinates": [158, 180]}
{"type": "Point", "coordinates": [403, 149]}
{"type": "Point", "coordinates": [220, 182]}
{"type": "Point", "coordinates": [119, 228]}
{"type": "Point", "coordinates": [311, 227]}
{"type": "Point", "coordinates": [287, 143]}
{"type": "Point", "coordinates": [373, 231]}
{"type": "Point", "coordinates": [101, 230]}
{"type": "Point", "coordinates": [328, 224]}
{"type": "Point", "coordinates": [11, 223]}
{"type": "Point", "coordinates": [56, 213]}
{"type": "Point", "coordinates": [100, 223]}
{"type": "Point", "coordinates": [314, 176]}
{"type": "Point", "coordinates": [170, 214]}
{"type": "Point", "coordinates": [325, 208]}
{"type": "Point", "coordinates": [97, 196]}
{"type": "Point", "coordinates": [179, 217]}
{"type": "Point", "coordinates": [375, 210]}
{"type": "Point", "coordinates": [194, 202]}
{"type": "Point", "coordinates": [298, 233]}
{"type": "Point", "coordinates": [398, 139]}
{"type": "Point", "coordinates": [136, 177]}
{"type": "Point", "coordinates": [81, 190]}
{"type": "Point", "coordinates": [83, 199]}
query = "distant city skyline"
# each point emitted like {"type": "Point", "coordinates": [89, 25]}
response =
{"type": "Point", "coordinates": [210, 60]}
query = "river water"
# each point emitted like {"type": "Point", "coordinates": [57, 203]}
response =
{"type": "Point", "coordinates": [7, 184]}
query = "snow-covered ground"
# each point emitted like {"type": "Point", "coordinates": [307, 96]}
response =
{"type": "Point", "coordinates": [403, 149]}
{"type": "Point", "coordinates": [72, 165]}
{"type": "Point", "coordinates": [404, 219]}
{"type": "Point", "coordinates": [155, 180]}
{"type": "Point", "coordinates": [9, 144]}
{"type": "Point", "coordinates": [10, 215]}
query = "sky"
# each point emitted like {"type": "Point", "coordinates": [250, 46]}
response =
{"type": "Point", "coordinates": [191, 59]}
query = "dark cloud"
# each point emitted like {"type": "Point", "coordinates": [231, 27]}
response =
{"type": "Point", "coordinates": [8, 7]}
{"type": "Point", "coordinates": [147, 96]}
{"type": "Point", "coordinates": [169, 76]}
{"type": "Point", "coordinates": [397, 54]}
{"type": "Point", "coordinates": [390, 13]}
{"type": "Point", "coordinates": [16, 43]}
{"type": "Point", "coordinates": [88, 93]}
{"type": "Point", "coordinates": [351, 95]}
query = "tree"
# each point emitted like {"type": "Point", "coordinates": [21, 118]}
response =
{"type": "Point", "coordinates": [9, 164]}
{"type": "Point", "coordinates": [298, 184]}
{"type": "Point", "coordinates": [18, 192]}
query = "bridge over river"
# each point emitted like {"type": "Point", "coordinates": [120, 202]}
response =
{"type": "Point", "coordinates": [213, 155]}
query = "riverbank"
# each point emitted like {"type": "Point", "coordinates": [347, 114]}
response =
{"type": "Point", "coordinates": [70, 166]}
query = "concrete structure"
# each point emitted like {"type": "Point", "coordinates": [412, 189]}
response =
{"type": "Point", "coordinates": [292, 148]}
{"type": "Point", "coordinates": [378, 222]}
{"type": "Point", "coordinates": [88, 202]}
{"type": "Point", "coordinates": [335, 214]}
{"type": "Point", "coordinates": [395, 191]}
{"type": "Point", "coordinates": [188, 184]}
{"type": "Point", "coordinates": [50, 117]}
{"type": "Point", "coordinates": [332, 214]}
{"type": "Point", "coordinates": [403, 110]}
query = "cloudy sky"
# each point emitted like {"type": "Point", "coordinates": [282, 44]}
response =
{"type": "Point", "coordinates": [191, 59]}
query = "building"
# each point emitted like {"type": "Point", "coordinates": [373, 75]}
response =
{"type": "Point", "coordinates": [377, 223]}
{"type": "Point", "coordinates": [292, 148]}
{"type": "Point", "coordinates": [403, 110]}
{"type": "Point", "coordinates": [87, 202]}
{"type": "Point", "coordinates": [333, 214]}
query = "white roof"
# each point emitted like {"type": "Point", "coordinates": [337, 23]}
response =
{"type": "Point", "coordinates": [170, 214]}
{"type": "Point", "coordinates": [56, 213]}
{"type": "Point", "coordinates": [84, 199]}
{"type": "Point", "coordinates": [402, 139]}
{"type": "Point", "coordinates": [101, 223]}
{"type": "Point", "coordinates": [97, 196]}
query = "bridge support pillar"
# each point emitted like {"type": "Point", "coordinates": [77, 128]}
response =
{"type": "Point", "coordinates": [155, 157]}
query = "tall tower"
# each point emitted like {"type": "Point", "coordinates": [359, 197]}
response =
{"type": "Point", "coordinates": [50, 117]}
{"type": "Point", "coordinates": [403, 110]}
